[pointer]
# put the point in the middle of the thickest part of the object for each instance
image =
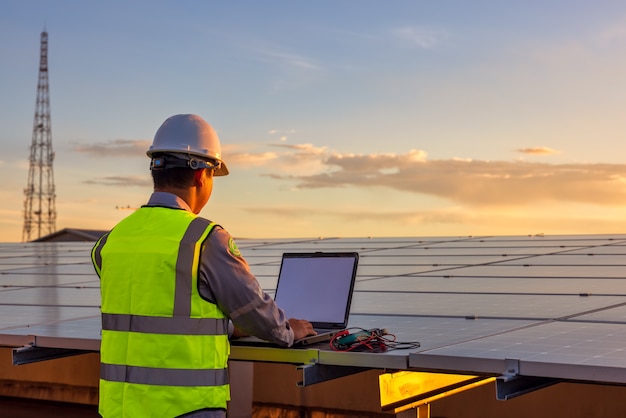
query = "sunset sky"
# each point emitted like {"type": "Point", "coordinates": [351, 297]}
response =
{"type": "Point", "coordinates": [337, 118]}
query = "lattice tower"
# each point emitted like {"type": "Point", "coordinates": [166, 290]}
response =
{"type": "Point", "coordinates": [39, 205]}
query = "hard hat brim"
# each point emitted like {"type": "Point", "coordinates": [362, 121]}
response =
{"type": "Point", "coordinates": [222, 170]}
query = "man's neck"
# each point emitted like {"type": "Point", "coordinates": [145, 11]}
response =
{"type": "Point", "coordinates": [186, 194]}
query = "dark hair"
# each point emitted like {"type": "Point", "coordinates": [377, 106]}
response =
{"type": "Point", "coordinates": [177, 177]}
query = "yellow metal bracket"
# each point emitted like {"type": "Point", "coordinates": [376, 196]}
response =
{"type": "Point", "coordinates": [402, 391]}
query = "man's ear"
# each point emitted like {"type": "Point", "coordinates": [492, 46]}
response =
{"type": "Point", "coordinates": [198, 178]}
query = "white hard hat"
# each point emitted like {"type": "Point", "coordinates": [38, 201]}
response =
{"type": "Point", "coordinates": [188, 135]}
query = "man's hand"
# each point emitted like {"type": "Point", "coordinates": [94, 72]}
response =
{"type": "Point", "coordinates": [301, 328]}
{"type": "Point", "coordinates": [238, 333]}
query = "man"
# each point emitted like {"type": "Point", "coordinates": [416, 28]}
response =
{"type": "Point", "coordinates": [170, 283]}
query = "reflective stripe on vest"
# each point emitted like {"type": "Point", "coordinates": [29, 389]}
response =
{"type": "Point", "coordinates": [164, 377]}
{"type": "Point", "coordinates": [164, 325]}
{"type": "Point", "coordinates": [184, 265]}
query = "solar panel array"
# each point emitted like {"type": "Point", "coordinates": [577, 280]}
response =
{"type": "Point", "coordinates": [554, 306]}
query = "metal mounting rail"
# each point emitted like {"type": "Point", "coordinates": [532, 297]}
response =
{"type": "Point", "coordinates": [317, 373]}
{"type": "Point", "coordinates": [31, 354]}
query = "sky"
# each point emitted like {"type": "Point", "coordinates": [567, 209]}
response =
{"type": "Point", "coordinates": [336, 118]}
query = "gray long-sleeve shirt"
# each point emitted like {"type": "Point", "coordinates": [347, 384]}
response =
{"type": "Point", "coordinates": [226, 280]}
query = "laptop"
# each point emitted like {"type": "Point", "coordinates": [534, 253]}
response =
{"type": "Point", "coordinates": [316, 286]}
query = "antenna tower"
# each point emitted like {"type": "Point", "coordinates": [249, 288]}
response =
{"type": "Point", "coordinates": [39, 208]}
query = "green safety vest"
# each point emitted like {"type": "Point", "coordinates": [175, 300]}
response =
{"type": "Point", "coordinates": [164, 349]}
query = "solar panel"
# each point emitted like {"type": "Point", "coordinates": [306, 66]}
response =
{"type": "Point", "coordinates": [555, 305]}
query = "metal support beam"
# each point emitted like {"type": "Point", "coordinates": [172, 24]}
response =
{"type": "Point", "coordinates": [420, 411]}
{"type": "Point", "coordinates": [317, 373]}
{"type": "Point", "coordinates": [32, 354]}
{"type": "Point", "coordinates": [511, 387]}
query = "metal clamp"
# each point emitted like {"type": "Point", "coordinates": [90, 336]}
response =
{"type": "Point", "coordinates": [511, 384]}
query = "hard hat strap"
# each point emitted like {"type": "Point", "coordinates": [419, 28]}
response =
{"type": "Point", "coordinates": [162, 163]}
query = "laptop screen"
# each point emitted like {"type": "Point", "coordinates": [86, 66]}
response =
{"type": "Point", "coordinates": [317, 287]}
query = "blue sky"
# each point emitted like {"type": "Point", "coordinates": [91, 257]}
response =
{"type": "Point", "coordinates": [337, 118]}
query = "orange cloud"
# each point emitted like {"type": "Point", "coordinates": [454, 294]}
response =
{"type": "Point", "coordinates": [115, 148]}
{"type": "Point", "coordinates": [468, 182]}
{"type": "Point", "coordinates": [122, 181]}
{"type": "Point", "coordinates": [537, 151]}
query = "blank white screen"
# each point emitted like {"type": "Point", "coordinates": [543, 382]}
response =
{"type": "Point", "coordinates": [315, 288]}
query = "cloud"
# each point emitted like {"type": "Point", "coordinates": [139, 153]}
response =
{"type": "Point", "coordinates": [236, 156]}
{"type": "Point", "coordinates": [453, 221]}
{"type": "Point", "coordinates": [309, 149]}
{"type": "Point", "coordinates": [413, 217]}
{"type": "Point", "coordinates": [115, 148]}
{"type": "Point", "coordinates": [476, 183]}
{"type": "Point", "coordinates": [292, 70]}
{"type": "Point", "coordinates": [292, 60]}
{"type": "Point", "coordinates": [537, 151]}
{"type": "Point", "coordinates": [319, 162]}
{"type": "Point", "coordinates": [484, 183]}
{"type": "Point", "coordinates": [122, 181]}
{"type": "Point", "coordinates": [424, 37]}
{"type": "Point", "coordinates": [284, 135]}
{"type": "Point", "coordinates": [614, 33]}
{"type": "Point", "coordinates": [303, 159]}
{"type": "Point", "coordinates": [297, 159]}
